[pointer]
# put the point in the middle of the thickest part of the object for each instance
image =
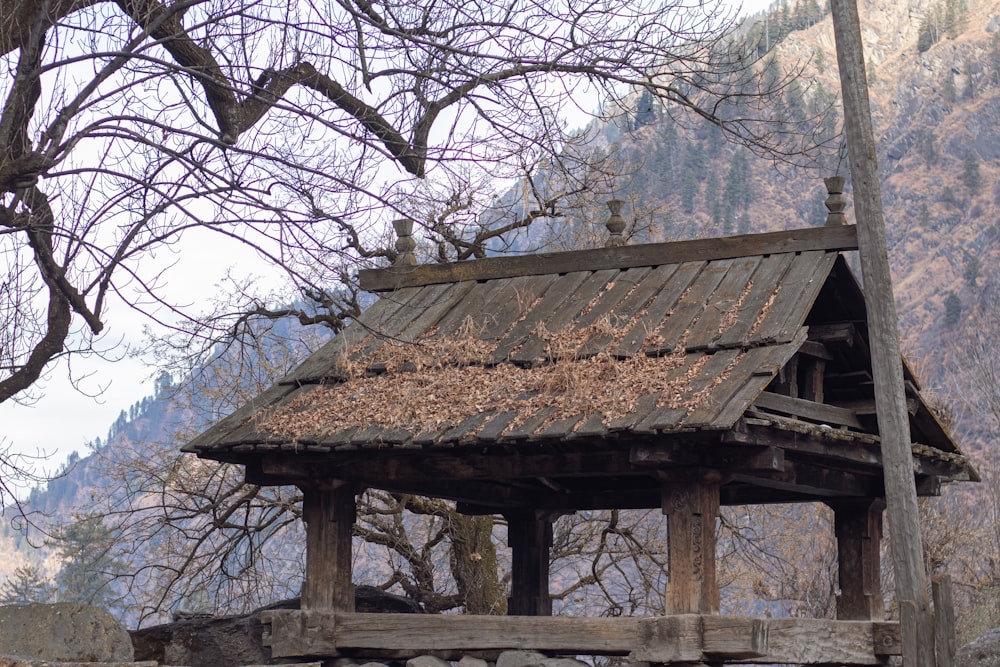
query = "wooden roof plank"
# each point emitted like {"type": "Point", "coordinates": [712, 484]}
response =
{"type": "Point", "coordinates": [725, 303]}
{"type": "Point", "coordinates": [712, 380]}
{"type": "Point", "coordinates": [433, 312]}
{"type": "Point", "coordinates": [765, 279]}
{"type": "Point", "coordinates": [593, 427]}
{"type": "Point", "coordinates": [651, 315]}
{"type": "Point", "coordinates": [336, 439]}
{"type": "Point", "coordinates": [391, 327]}
{"type": "Point", "coordinates": [633, 289]}
{"type": "Point", "coordinates": [842, 237]}
{"type": "Point", "coordinates": [664, 418]}
{"type": "Point", "coordinates": [618, 292]}
{"type": "Point", "coordinates": [759, 367]}
{"type": "Point", "coordinates": [465, 430]}
{"type": "Point", "coordinates": [535, 347]}
{"type": "Point", "coordinates": [560, 428]}
{"type": "Point", "coordinates": [430, 436]}
{"type": "Point", "coordinates": [494, 428]}
{"type": "Point", "coordinates": [536, 313]}
{"type": "Point", "coordinates": [222, 429]}
{"type": "Point", "coordinates": [250, 429]}
{"type": "Point", "coordinates": [798, 289]}
{"type": "Point", "coordinates": [807, 296]}
{"type": "Point", "coordinates": [512, 303]}
{"type": "Point", "coordinates": [320, 363]}
{"type": "Point", "coordinates": [644, 406]}
{"type": "Point", "coordinates": [527, 427]}
{"type": "Point", "coordinates": [690, 307]}
{"type": "Point", "coordinates": [475, 309]}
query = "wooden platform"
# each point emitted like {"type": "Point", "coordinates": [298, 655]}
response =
{"type": "Point", "coordinates": [666, 639]}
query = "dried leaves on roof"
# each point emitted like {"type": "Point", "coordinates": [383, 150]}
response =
{"type": "Point", "coordinates": [439, 381]}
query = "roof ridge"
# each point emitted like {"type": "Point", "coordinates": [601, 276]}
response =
{"type": "Point", "coordinates": [831, 239]}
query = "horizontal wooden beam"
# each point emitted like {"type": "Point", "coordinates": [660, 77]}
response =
{"type": "Point", "coordinates": [456, 464]}
{"type": "Point", "coordinates": [810, 410]}
{"type": "Point", "coordinates": [833, 332]}
{"type": "Point", "coordinates": [653, 254]}
{"type": "Point", "coordinates": [822, 482]}
{"type": "Point", "coordinates": [740, 458]}
{"type": "Point", "coordinates": [688, 638]}
{"type": "Point", "coordinates": [853, 453]}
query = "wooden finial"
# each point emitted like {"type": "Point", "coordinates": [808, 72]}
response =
{"type": "Point", "coordinates": [615, 224]}
{"type": "Point", "coordinates": [405, 245]}
{"type": "Point", "coordinates": [836, 202]}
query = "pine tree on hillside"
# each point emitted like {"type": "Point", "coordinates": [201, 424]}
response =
{"type": "Point", "coordinates": [88, 564]}
{"type": "Point", "coordinates": [26, 586]}
{"type": "Point", "coordinates": [927, 34]}
{"type": "Point", "coordinates": [692, 175]}
{"type": "Point", "coordinates": [971, 272]}
{"type": "Point", "coordinates": [952, 309]}
{"type": "Point", "coordinates": [970, 172]}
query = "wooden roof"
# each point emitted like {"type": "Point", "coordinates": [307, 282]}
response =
{"type": "Point", "coordinates": [729, 354]}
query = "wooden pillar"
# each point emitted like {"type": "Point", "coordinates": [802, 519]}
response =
{"type": "Point", "coordinates": [329, 511]}
{"type": "Point", "coordinates": [883, 331]}
{"type": "Point", "coordinates": [858, 525]}
{"type": "Point", "coordinates": [691, 509]}
{"type": "Point", "coordinates": [530, 537]}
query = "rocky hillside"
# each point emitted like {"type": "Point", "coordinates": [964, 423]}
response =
{"type": "Point", "coordinates": [934, 72]}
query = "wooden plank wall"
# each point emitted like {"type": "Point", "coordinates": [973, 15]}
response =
{"type": "Point", "coordinates": [684, 638]}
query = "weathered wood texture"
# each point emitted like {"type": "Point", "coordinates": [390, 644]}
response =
{"type": "Point", "coordinates": [691, 510]}
{"type": "Point", "coordinates": [530, 536]}
{"type": "Point", "coordinates": [945, 644]}
{"type": "Point", "coordinates": [682, 638]}
{"type": "Point", "coordinates": [858, 526]}
{"type": "Point", "coordinates": [724, 325]}
{"type": "Point", "coordinates": [329, 513]}
{"type": "Point", "coordinates": [887, 368]}
{"type": "Point", "coordinates": [654, 254]}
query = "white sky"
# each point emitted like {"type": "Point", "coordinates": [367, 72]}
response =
{"type": "Point", "coordinates": [64, 419]}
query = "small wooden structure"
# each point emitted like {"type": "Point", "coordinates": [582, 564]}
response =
{"type": "Point", "coordinates": [682, 375]}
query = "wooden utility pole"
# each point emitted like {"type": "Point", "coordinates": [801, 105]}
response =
{"type": "Point", "coordinates": [887, 369]}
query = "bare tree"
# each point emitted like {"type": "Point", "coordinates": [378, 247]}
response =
{"type": "Point", "coordinates": [962, 528]}
{"type": "Point", "coordinates": [294, 131]}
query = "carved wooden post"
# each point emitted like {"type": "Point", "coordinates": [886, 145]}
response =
{"type": "Point", "coordinates": [691, 509]}
{"type": "Point", "coordinates": [329, 513]}
{"type": "Point", "coordinates": [836, 202]}
{"type": "Point", "coordinates": [615, 224]}
{"type": "Point", "coordinates": [530, 537]}
{"type": "Point", "coordinates": [405, 245]}
{"type": "Point", "coordinates": [858, 525]}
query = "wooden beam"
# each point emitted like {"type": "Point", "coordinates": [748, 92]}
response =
{"type": "Point", "coordinates": [459, 464]}
{"type": "Point", "coordinates": [741, 458]}
{"type": "Point", "coordinates": [808, 409]}
{"type": "Point", "coordinates": [816, 481]}
{"type": "Point", "coordinates": [887, 366]}
{"type": "Point", "coordinates": [858, 526]}
{"type": "Point", "coordinates": [691, 510]}
{"type": "Point", "coordinates": [688, 638]}
{"type": "Point", "coordinates": [530, 536]}
{"type": "Point", "coordinates": [856, 454]}
{"type": "Point", "coordinates": [866, 406]}
{"type": "Point", "coordinates": [816, 349]}
{"type": "Point", "coordinates": [833, 332]}
{"type": "Point", "coordinates": [328, 510]}
{"type": "Point", "coordinates": [652, 254]}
